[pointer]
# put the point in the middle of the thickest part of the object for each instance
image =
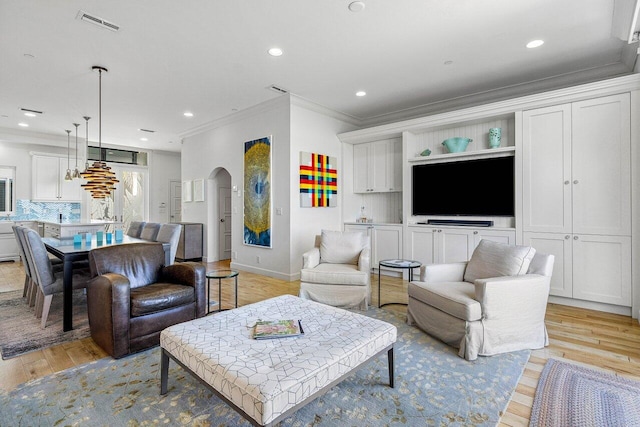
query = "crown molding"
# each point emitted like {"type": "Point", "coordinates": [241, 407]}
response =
{"type": "Point", "coordinates": [589, 90]}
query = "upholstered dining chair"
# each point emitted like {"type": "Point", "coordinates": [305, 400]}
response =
{"type": "Point", "coordinates": [28, 282]}
{"type": "Point", "coordinates": [337, 270]}
{"type": "Point", "coordinates": [494, 303]}
{"type": "Point", "coordinates": [135, 228]}
{"type": "Point", "coordinates": [150, 231]}
{"type": "Point", "coordinates": [48, 281]}
{"type": "Point", "coordinates": [170, 233]}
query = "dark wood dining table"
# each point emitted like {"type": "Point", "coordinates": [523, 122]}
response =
{"type": "Point", "coordinates": [68, 252]}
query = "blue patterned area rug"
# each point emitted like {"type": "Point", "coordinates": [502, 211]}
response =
{"type": "Point", "coordinates": [568, 395]}
{"type": "Point", "coordinates": [433, 387]}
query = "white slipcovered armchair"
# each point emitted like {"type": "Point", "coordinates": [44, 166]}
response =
{"type": "Point", "coordinates": [337, 270]}
{"type": "Point", "coordinates": [494, 303]}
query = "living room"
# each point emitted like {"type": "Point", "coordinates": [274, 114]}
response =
{"type": "Point", "coordinates": [209, 149]}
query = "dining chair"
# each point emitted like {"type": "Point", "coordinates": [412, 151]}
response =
{"type": "Point", "coordinates": [135, 228]}
{"type": "Point", "coordinates": [170, 233]}
{"type": "Point", "coordinates": [48, 281]}
{"type": "Point", "coordinates": [150, 231]}
{"type": "Point", "coordinates": [28, 282]}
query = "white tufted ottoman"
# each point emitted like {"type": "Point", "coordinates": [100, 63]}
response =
{"type": "Point", "coordinates": [267, 380]}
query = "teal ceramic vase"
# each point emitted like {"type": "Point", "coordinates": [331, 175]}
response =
{"type": "Point", "coordinates": [495, 137]}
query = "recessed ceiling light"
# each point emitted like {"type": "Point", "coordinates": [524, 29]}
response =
{"type": "Point", "coordinates": [188, 114]}
{"type": "Point", "coordinates": [535, 43]}
{"type": "Point", "coordinates": [144, 139]}
{"type": "Point", "coordinates": [28, 56]}
{"type": "Point", "coordinates": [24, 125]}
{"type": "Point", "coordinates": [361, 93]}
{"type": "Point", "coordinates": [356, 6]}
{"type": "Point", "coordinates": [448, 62]}
{"type": "Point", "coordinates": [275, 51]}
{"type": "Point", "coordinates": [30, 114]}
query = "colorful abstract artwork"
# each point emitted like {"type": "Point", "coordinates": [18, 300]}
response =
{"type": "Point", "coordinates": [257, 192]}
{"type": "Point", "coordinates": [318, 180]}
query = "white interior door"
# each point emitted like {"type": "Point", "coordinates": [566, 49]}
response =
{"type": "Point", "coordinates": [224, 217]}
{"type": "Point", "coordinates": [175, 201]}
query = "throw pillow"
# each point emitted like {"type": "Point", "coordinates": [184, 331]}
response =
{"type": "Point", "coordinates": [337, 247]}
{"type": "Point", "coordinates": [493, 259]}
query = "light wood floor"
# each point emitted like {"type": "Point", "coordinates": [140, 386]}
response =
{"type": "Point", "coordinates": [589, 338]}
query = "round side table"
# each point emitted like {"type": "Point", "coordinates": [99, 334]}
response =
{"type": "Point", "coordinates": [220, 274]}
{"type": "Point", "coordinates": [396, 263]}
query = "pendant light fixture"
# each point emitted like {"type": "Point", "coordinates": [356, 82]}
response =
{"type": "Point", "coordinates": [68, 177]}
{"type": "Point", "coordinates": [76, 172]}
{"type": "Point", "coordinates": [100, 178]}
{"type": "Point", "coordinates": [86, 143]}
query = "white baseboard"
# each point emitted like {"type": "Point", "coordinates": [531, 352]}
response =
{"type": "Point", "coordinates": [265, 272]}
{"type": "Point", "coordinates": [608, 308]}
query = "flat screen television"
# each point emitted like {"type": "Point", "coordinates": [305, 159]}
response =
{"type": "Point", "coordinates": [481, 187]}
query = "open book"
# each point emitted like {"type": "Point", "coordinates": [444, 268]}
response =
{"type": "Point", "coordinates": [277, 329]}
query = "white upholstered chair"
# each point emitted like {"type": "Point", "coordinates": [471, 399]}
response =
{"type": "Point", "coordinates": [336, 271]}
{"type": "Point", "coordinates": [494, 303]}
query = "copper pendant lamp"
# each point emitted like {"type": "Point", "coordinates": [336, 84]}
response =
{"type": "Point", "coordinates": [100, 178]}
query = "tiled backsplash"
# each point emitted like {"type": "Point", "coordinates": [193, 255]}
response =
{"type": "Point", "coordinates": [26, 210]}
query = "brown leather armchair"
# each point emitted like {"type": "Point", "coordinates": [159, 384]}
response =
{"type": "Point", "coordinates": [133, 296]}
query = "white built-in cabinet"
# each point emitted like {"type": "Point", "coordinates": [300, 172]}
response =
{"type": "Point", "coordinates": [577, 196]}
{"type": "Point", "coordinates": [377, 166]}
{"type": "Point", "coordinates": [439, 245]}
{"type": "Point", "coordinates": [386, 240]}
{"type": "Point", "coordinates": [48, 184]}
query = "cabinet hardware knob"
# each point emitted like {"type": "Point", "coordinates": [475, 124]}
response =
{"type": "Point", "coordinates": [575, 237]}
{"type": "Point", "coordinates": [475, 232]}
{"type": "Point", "coordinates": [566, 182]}
{"type": "Point", "coordinates": [439, 231]}
{"type": "Point", "coordinates": [567, 237]}
{"type": "Point", "coordinates": [575, 181]}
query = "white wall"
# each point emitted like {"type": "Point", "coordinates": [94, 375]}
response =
{"type": "Point", "coordinates": [221, 145]}
{"type": "Point", "coordinates": [164, 166]}
{"type": "Point", "coordinates": [295, 126]}
{"type": "Point", "coordinates": [315, 132]}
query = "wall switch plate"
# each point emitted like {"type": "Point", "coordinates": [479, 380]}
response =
{"type": "Point", "coordinates": [258, 259]}
{"type": "Point", "coordinates": [278, 211]}
{"type": "Point", "coordinates": [234, 254]}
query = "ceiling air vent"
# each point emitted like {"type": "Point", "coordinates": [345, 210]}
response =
{"type": "Point", "coordinates": [278, 89]}
{"type": "Point", "coordinates": [84, 16]}
{"type": "Point", "coordinates": [146, 130]}
{"type": "Point", "coordinates": [27, 110]}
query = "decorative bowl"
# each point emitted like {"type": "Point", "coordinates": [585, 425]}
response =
{"type": "Point", "coordinates": [457, 144]}
{"type": "Point", "coordinates": [425, 152]}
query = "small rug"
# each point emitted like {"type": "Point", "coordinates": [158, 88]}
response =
{"type": "Point", "coordinates": [572, 396]}
{"type": "Point", "coordinates": [20, 330]}
{"type": "Point", "coordinates": [433, 387]}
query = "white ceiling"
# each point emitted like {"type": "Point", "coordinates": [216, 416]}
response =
{"type": "Point", "coordinates": [210, 57]}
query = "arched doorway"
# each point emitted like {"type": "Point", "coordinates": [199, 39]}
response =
{"type": "Point", "coordinates": [219, 210]}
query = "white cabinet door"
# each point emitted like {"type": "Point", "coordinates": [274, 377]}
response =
{"type": "Point", "coordinates": [601, 166]}
{"type": "Point", "coordinates": [45, 178]}
{"type": "Point", "coordinates": [559, 245]}
{"type": "Point", "coordinates": [70, 191]}
{"type": "Point", "coordinates": [377, 166]}
{"type": "Point", "coordinates": [422, 244]}
{"type": "Point", "coordinates": [48, 184]}
{"type": "Point", "coordinates": [602, 269]}
{"type": "Point", "coordinates": [501, 236]}
{"type": "Point", "coordinates": [361, 168]}
{"type": "Point", "coordinates": [387, 242]}
{"type": "Point", "coordinates": [8, 247]}
{"type": "Point", "coordinates": [454, 245]}
{"type": "Point", "coordinates": [547, 169]}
